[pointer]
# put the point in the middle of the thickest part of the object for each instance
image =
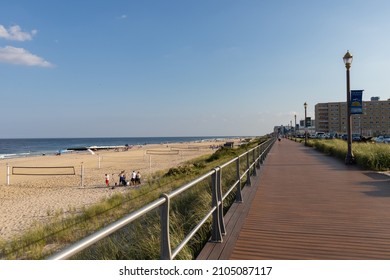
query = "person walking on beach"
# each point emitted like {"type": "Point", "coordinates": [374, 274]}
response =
{"type": "Point", "coordinates": [122, 178]}
{"type": "Point", "coordinates": [107, 177]}
{"type": "Point", "coordinates": [138, 178]}
{"type": "Point", "coordinates": [133, 178]}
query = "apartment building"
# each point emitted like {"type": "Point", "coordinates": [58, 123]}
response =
{"type": "Point", "coordinates": [332, 118]}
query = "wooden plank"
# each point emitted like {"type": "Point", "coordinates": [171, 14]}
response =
{"type": "Point", "coordinates": [234, 220]}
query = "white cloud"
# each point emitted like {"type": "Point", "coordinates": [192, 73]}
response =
{"type": "Point", "coordinates": [122, 17]}
{"type": "Point", "coordinates": [15, 33]}
{"type": "Point", "coordinates": [21, 56]}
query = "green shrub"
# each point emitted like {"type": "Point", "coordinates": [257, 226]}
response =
{"type": "Point", "coordinates": [222, 153]}
{"type": "Point", "coordinates": [179, 171]}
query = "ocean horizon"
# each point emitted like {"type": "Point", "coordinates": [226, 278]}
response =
{"type": "Point", "coordinates": [22, 147]}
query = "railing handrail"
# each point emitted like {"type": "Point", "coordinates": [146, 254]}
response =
{"type": "Point", "coordinates": [163, 201]}
{"type": "Point", "coordinates": [97, 236]}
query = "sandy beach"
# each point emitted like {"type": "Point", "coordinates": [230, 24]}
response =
{"type": "Point", "coordinates": [30, 199]}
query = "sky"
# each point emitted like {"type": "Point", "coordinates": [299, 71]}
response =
{"type": "Point", "coordinates": [129, 68]}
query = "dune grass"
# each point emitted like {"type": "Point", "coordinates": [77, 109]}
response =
{"type": "Point", "coordinates": [371, 156]}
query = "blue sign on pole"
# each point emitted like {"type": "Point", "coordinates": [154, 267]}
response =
{"type": "Point", "coordinates": [356, 102]}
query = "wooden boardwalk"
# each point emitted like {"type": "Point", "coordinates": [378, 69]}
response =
{"type": "Point", "coordinates": [306, 205]}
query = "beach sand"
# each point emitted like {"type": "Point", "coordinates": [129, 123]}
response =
{"type": "Point", "coordinates": [31, 199]}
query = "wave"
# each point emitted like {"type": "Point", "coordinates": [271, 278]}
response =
{"type": "Point", "coordinates": [5, 156]}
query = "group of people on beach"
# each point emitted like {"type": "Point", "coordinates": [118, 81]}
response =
{"type": "Point", "coordinates": [134, 180]}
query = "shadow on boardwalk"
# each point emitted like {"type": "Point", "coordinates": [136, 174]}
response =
{"type": "Point", "coordinates": [306, 205]}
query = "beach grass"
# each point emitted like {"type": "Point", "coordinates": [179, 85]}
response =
{"type": "Point", "coordinates": [140, 240]}
{"type": "Point", "coordinates": [371, 156]}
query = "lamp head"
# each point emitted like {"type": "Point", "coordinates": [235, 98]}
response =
{"type": "Point", "coordinates": [305, 105]}
{"type": "Point", "coordinates": [347, 60]}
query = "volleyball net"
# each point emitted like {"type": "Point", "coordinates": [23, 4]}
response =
{"type": "Point", "coordinates": [186, 149]}
{"type": "Point", "coordinates": [162, 152]}
{"type": "Point", "coordinates": [43, 170]}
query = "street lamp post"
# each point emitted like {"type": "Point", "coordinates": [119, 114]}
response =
{"type": "Point", "coordinates": [305, 105]}
{"type": "Point", "coordinates": [295, 125]}
{"type": "Point", "coordinates": [349, 159]}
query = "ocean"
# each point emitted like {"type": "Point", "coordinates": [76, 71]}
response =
{"type": "Point", "coordinates": [10, 148]}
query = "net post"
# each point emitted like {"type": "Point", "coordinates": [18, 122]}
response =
{"type": "Point", "coordinates": [150, 164]}
{"type": "Point", "coordinates": [8, 174]}
{"type": "Point", "coordinates": [82, 174]}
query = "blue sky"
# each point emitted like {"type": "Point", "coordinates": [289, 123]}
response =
{"type": "Point", "coordinates": [182, 68]}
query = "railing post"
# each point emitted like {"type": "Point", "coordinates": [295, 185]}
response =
{"type": "Point", "coordinates": [258, 156]}
{"type": "Point", "coordinates": [248, 181]}
{"type": "Point", "coordinates": [262, 151]}
{"type": "Point", "coordinates": [254, 161]}
{"type": "Point", "coordinates": [239, 193]}
{"type": "Point", "coordinates": [220, 202]}
{"type": "Point", "coordinates": [216, 235]}
{"type": "Point", "coordinates": [165, 243]}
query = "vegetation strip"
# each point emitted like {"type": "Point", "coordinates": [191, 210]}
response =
{"type": "Point", "coordinates": [371, 156]}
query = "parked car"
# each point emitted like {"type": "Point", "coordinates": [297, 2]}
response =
{"type": "Point", "coordinates": [382, 139]}
{"type": "Point", "coordinates": [356, 137]}
{"type": "Point", "coordinates": [319, 135]}
{"type": "Point", "coordinates": [324, 136]}
{"type": "Point", "coordinates": [333, 135]}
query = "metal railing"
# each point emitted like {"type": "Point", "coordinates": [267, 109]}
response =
{"type": "Point", "coordinates": [258, 155]}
